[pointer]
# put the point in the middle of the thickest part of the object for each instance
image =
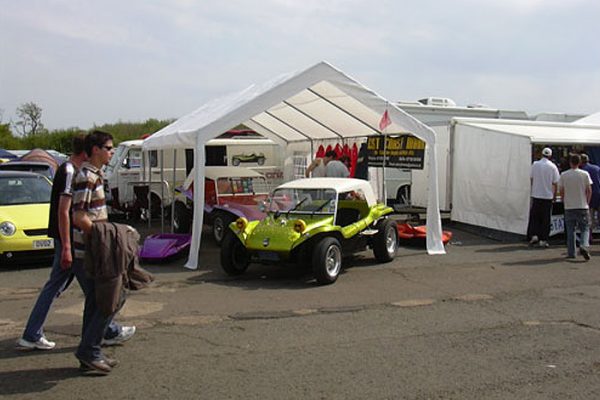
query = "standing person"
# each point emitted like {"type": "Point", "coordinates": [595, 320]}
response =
{"type": "Point", "coordinates": [89, 206]}
{"type": "Point", "coordinates": [316, 169]}
{"type": "Point", "coordinates": [575, 187]}
{"type": "Point", "coordinates": [335, 168]}
{"type": "Point", "coordinates": [59, 228]}
{"type": "Point", "coordinates": [544, 177]}
{"type": "Point", "coordinates": [362, 163]}
{"type": "Point", "coordinates": [594, 172]}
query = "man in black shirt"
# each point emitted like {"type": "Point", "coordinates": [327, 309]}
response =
{"type": "Point", "coordinates": [60, 228]}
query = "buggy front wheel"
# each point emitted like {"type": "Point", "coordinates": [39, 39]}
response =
{"type": "Point", "coordinates": [234, 256]}
{"type": "Point", "coordinates": [327, 260]}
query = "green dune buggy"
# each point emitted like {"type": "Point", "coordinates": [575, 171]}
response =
{"type": "Point", "coordinates": [315, 222]}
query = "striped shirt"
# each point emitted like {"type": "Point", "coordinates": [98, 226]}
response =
{"type": "Point", "coordinates": [88, 196]}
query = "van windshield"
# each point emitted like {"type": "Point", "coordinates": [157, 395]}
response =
{"type": "Point", "coordinates": [115, 159]}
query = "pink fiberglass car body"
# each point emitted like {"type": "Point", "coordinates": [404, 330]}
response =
{"type": "Point", "coordinates": [229, 193]}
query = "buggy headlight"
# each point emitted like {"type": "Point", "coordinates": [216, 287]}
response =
{"type": "Point", "coordinates": [299, 225]}
{"type": "Point", "coordinates": [241, 223]}
{"type": "Point", "coordinates": [7, 228]}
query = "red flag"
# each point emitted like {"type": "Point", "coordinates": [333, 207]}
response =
{"type": "Point", "coordinates": [385, 121]}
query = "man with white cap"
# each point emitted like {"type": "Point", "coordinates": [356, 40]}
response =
{"type": "Point", "coordinates": [544, 180]}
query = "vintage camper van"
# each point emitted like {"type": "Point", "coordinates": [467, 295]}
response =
{"type": "Point", "coordinates": [133, 176]}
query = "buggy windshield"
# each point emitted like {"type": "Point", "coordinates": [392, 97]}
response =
{"type": "Point", "coordinates": [303, 201]}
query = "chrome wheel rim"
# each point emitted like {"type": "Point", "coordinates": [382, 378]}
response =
{"type": "Point", "coordinates": [333, 260]}
{"type": "Point", "coordinates": [390, 241]}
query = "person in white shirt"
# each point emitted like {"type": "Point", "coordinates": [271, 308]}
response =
{"type": "Point", "coordinates": [575, 187]}
{"type": "Point", "coordinates": [316, 169]}
{"type": "Point", "coordinates": [335, 168]}
{"type": "Point", "coordinates": [544, 178]}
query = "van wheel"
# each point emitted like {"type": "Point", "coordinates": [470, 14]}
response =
{"type": "Point", "coordinates": [235, 161]}
{"type": "Point", "coordinates": [234, 256]}
{"type": "Point", "coordinates": [327, 260]}
{"type": "Point", "coordinates": [182, 220]}
{"type": "Point", "coordinates": [403, 195]}
{"type": "Point", "coordinates": [220, 226]}
{"type": "Point", "coordinates": [261, 161]}
{"type": "Point", "coordinates": [385, 241]}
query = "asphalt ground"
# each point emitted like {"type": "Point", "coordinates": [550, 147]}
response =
{"type": "Point", "coordinates": [488, 320]}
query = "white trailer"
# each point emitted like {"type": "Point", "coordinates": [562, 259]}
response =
{"type": "Point", "coordinates": [439, 117]}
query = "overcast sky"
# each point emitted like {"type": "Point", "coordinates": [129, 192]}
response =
{"type": "Point", "coordinates": [95, 62]}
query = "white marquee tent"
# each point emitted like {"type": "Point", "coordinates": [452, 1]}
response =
{"type": "Point", "coordinates": [491, 164]}
{"type": "Point", "coordinates": [316, 104]}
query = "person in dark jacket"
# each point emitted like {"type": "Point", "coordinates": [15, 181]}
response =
{"type": "Point", "coordinates": [89, 207]}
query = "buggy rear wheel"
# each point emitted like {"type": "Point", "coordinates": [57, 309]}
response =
{"type": "Point", "coordinates": [385, 241]}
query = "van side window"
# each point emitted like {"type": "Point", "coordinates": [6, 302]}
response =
{"type": "Point", "coordinates": [153, 155]}
{"type": "Point", "coordinates": [134, 159]}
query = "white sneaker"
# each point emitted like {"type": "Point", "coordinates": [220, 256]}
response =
{"type": "Point", "coordinates": [534, 240]}
{"type": "Point", "coordinates": [41, 344]}
{"type": "Point", "coordinates": [543, 244]}
{"type": "Point", "coordinates": [126, 333]}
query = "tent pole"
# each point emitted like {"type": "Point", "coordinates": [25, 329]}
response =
{"type": "Point", "coordinates": [384, 153]}
{"type": "Point", "coordinates": [149, 187]}
{"type": "Point", "coordinates": [162, 191]}
{"type": "Point", "coordinates": [173, 191]}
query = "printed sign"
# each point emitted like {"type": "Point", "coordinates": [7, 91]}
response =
{"type": "Point", "coordinates": [403, 151]}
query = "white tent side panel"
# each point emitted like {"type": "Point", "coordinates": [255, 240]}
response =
{"type": "Point", "coordinates": [420, 177]}
{"type": "Point", "coordinates": [491, 179]}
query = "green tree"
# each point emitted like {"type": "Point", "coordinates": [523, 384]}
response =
{"type": "Point", "coordinates": [7, 140]}
{"type": "Point", "coordinates": [30, 119]}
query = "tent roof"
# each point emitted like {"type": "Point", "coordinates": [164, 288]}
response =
{"type": "Point", "coordinates": [539, 132]}
{"type": "Point", "coordinates": [592, 119]}
{"type": "Point", "coordinates": [319, 103]}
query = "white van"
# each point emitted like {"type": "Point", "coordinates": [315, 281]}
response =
{"type": "Point", "coordinates": [127, 180]}
{"type": "Point", "coordinates": [127, 173]}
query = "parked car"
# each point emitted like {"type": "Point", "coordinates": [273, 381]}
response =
{"type": "Point", "coordinates": [229, 193]}
{"type": "Point", "coordinates": [38, 167]}
{"type": "Point", "coordinates": [24, 206]}
{"type": "Point", "coordinates": [313, 222]}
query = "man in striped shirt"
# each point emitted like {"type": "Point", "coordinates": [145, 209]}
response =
{"type": "Point", "coordinates": [89, 206]}
{"type": "Point", "coordinates": [59, 228]}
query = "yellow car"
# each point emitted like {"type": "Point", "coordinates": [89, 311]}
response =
{"type": "Point", "coordinates": [24, 206]}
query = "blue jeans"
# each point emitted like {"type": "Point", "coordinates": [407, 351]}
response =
{"type": "Point", "coordinates": [94, 323]}
{"type": "Point", "coordinates": [55, 285]}
{"type": "Point", "coordinates": [579, 218]}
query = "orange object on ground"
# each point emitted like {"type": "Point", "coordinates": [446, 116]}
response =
{"type": "Point", "coordinates": [407, 232]}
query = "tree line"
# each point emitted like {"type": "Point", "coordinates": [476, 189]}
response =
{"type": "Point", "coordinates": [28, 132]}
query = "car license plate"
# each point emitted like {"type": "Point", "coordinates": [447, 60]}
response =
{"type": "Point", "coordinates": [268, 255]}
{"type": "Point", "coordinates": [43, 244]}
